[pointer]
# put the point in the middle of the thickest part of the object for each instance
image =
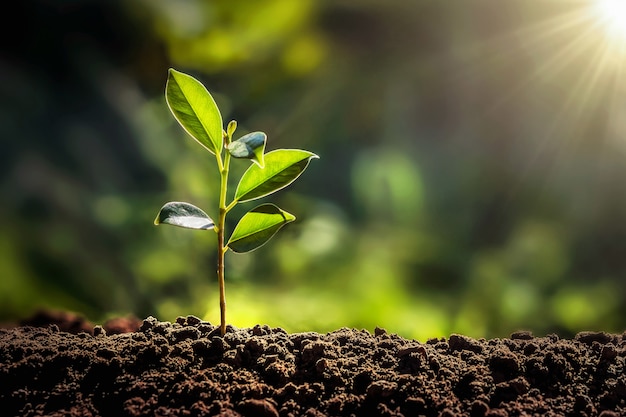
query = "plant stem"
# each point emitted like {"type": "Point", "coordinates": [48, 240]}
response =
{"type": "Point", "coordinates": [221, 249]}
{"type": "Point", "coordinates": [220, 273]}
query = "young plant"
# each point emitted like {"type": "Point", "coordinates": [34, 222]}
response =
{"type": "Point", "coordinates": [194, 108]}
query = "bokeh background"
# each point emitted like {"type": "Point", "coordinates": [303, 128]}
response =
{"type": "Point", "coordinates": [471, 180]}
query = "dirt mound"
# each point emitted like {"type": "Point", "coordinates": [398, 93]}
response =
{"type": "Point", "coordinates": [186, 369]}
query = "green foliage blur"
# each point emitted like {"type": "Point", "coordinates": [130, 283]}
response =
{"type": "Point", "coordinates": [471, 177]}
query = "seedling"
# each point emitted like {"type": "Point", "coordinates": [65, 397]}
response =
{"type": "Point", "coordinates": [195, 109]}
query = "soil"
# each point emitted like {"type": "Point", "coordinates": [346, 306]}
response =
{"type": "Point", "coordinates": [150, 368]}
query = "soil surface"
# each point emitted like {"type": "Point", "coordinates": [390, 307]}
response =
{"type": "Point", "coordinates": [152, 368]}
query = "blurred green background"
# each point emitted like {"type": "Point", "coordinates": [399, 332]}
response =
{"type": "Point", "coordinates": [471, 177]}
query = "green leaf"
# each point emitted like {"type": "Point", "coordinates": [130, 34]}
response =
{"type": "Point", "coordinates": [232, 126]}
{"type": "Point", "coordinates": [257, 226]}
{"type": "Point", "coordinates": [184, 215]}
{"type": "Point", "coordinates": [282, 167]}
{"type": "Point", "coordinates": [194, 108]}
{"type": "Point", "coordinates": [250, 146]}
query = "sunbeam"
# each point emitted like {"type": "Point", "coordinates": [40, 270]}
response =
{"type": "Point", "coordinates": [612, 14]}
{"type": "Point", "coordinates": [563, 66]}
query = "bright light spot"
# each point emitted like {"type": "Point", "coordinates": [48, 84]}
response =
{"type": "Point", "coordinates": [613, 15]}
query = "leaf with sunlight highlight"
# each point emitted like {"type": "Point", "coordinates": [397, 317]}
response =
{"type": "Point", "coordinates": [257, 226]}
{"type": "Point", "coordinates": [184, 215]}
{"type": "Point", "coordinates": [194, 108]}
{"type": "Point", "coordinates": [282, 167]}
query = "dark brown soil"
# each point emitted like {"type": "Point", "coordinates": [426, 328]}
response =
{"type": "Point", "coordinates": [186, 369]}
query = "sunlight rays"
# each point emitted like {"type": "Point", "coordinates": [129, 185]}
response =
{"type": "Point", "coordinates": [585, 57]}
{"type": "Point", "coordinates": [612, 14]}
{"type": "Point", "coordinates": [570, 49]}
{"type": "Point", "coordinates": [581, 51]}
{"type": "Point", "coordinates": [563, 67]}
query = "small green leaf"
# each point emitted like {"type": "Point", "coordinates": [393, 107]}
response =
{"type": "Point", "coordinates": [184, 215]}
{"type": "Point", "coordinates": [232, 126]}
{"type": "Point", "coordinates": [194, 108]}
{"type": "Point", "coordinates": [282, 167]}
{"type": "Point", "coordinates": [250, 146]}
{"type": "Point", "coordinates": [257, 226]}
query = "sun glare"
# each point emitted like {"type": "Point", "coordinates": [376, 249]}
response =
{"type": "Point", "coordinates": [612, 13]}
